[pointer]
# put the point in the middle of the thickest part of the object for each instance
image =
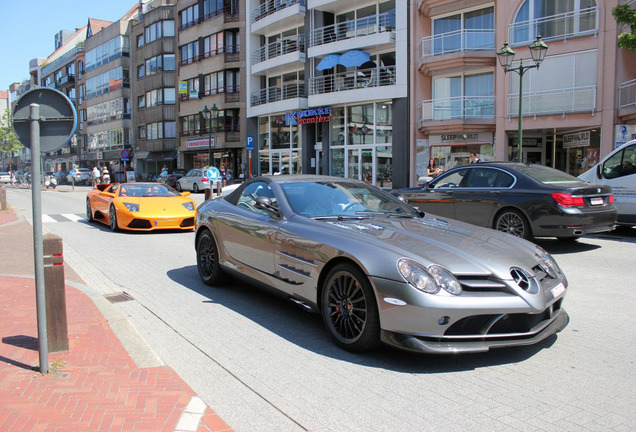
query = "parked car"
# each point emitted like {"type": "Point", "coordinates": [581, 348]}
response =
{"type": "Point", "coordinates": [522, 199]}
{"type": "Point", "coordinates": [61, 177]}
{"type": "Point", "coordinates": [170, 177]}
{"type": "Point", "coordinates": [195, 180]}
{"type": "Point", "coordinates": [80, 175]}
{"type": "Point", "coordinates": [618, 170]}
{"type": "Point", "coordinates": [378, 270]}
{"type": "Point", "coordinates": [5, 177]}
{"type": "Point", "coordinates": [140, 207]}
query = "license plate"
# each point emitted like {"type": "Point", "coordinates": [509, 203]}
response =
{"type": "Point", "coordinates": [596, 201]}
{"type": "Point", "coordinates": [558, 290]}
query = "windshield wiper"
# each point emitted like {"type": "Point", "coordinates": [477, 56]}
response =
{"type": "Point", "coordinates": [341, 217]}
{"type": "Point", "coordinates": [388, 214]}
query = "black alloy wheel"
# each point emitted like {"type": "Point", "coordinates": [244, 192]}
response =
{"type": "Point", "coordinates": [89, 211]}
{"type": "Point", "coordinates": [349, 309]}
{"type": "Point", "coordinates": [112, 215]}
{"type": "Point", "coordinates": [195, 188]}
{"type": "Point", "coordinates": [208, 259]}
{"type": "Point", "coordinates": [513, 222]}
{"type": "Point", "coordinates": [178, 186]}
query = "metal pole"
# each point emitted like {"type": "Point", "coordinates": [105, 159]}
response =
{"type": "Point", "coordinates": [38, 247]}
{"type": "Point", "coordinates": [210, 141]}
{"type": "Point", "coordinates": [520, 146]}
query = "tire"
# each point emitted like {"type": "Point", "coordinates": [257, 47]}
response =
{"type": "Point", "coordinates": [513, 222]}
{"type": "Point", "coordinates": [114, 226]}
{"type": "Point", "coordinates": [89, 211]}
{"type": "Point", "coordinates": [208, 259]}
{"type": "Point", "coordinates": [195, 188]}
{"type": "Point", "coordinates": [178, 187]}
{"type": "Point", "coordinates": [349, 309]}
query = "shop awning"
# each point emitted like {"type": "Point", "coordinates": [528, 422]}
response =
{"type": "Point", "coordinates": [161, 156]}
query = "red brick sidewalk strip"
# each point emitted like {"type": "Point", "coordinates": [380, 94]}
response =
{"type": "Point", "coordinates": [95, 386]}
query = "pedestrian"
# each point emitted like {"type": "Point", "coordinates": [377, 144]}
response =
{"type": "Point", "coordinates": [12, 177]}
{"type": "Point", "coordinates": [432, 170]}
{"type": "Point", "coordinates": [105, 175]}
{"type": "Point", "coordinates": [96, 176]}
{"type": "Point", "coordinates": [474, 158]}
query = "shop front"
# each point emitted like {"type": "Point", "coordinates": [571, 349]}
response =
{"type": "Point", "coordinates": [453, 149]}
{"type": "Point", "coordinates": [198, 152]}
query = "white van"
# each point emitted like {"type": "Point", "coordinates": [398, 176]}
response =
{"type": "Point", "coordinates": [618, 169]}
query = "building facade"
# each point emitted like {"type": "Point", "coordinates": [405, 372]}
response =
{"type": "Point", "coordinates": [211, 71]}
{"type": "Point", "coordinates": [328, 88]}
{"type": "Point", "coordinates": [575, 105]}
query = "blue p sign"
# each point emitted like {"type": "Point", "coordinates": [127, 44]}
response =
{"type": "Point", "coordinates": [250, 143]}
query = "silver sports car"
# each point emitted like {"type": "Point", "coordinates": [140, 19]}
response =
{"type": "Point", "coordinates": [377, 270]}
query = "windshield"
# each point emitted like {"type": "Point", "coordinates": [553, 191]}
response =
{"type": "Point", "coordinates": [147, 190]}
{"type": "Point", "coordinates": [343, 199]}
{"type": "Point", "coordinates": [547, 175]}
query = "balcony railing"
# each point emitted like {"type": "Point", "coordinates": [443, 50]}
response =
{"type": "Point", "coordinates": [232, 89]}
{"type": "Point", "coordinates": [279, 48]}
{"type": "Point", "coordinates": [228, 50]}
{"type": "Point", "coordinates": [272, 6]}
{"type": "Point", "coordinates": [561, 101]}
{"type": "Point", "coordinates": [275, 94]}
{"type": "Point", "coordinates": [458, 41]}
{"type": "Point", "coordinates": [384, 22]}
{"type": "Point", "coordinates": [66, 79]}
{"type": "Point", "coordinates": [358, 79]}
{"type": "Point", "coordinates": [627, 94]}
{"type": "Point", "coordinates": [227, 129]}
{"type": "Point", "coordinates": [457, 108]}
{"type": "Point", "coordinates": [231, 13]}
{"type": "Point", "coordinates": [563, 26]}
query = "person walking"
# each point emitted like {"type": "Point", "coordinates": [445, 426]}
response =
{"type": "Point", "coordinates": [474, 158]}
{"type": "Point", "coordinates": [432, 170]}
{"type": "Point", "coordinates": [95, 176]}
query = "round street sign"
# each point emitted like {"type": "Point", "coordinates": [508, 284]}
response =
{"type": "Point", "coordinates": [58, 118]}
{"type": "Point", "coordinates": [124, 154]}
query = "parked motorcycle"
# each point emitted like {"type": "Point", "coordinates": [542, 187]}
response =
{"type": "Point", "coordinates": [50, 182]}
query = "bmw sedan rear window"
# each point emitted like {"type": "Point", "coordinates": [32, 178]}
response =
{"type": "Point", "coordinates": [547, 175]}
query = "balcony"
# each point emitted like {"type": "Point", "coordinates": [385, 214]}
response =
{"type": "Point", "coordinates": [627, 100]}
{"type": "Point", "coordinates": [275, 94]}
{"type": "Point", "coordinates": [231, 92]}
{"type": "Point", "coordinates": [352, 80]}
{"type": "Point", "coordinates": [352, 29]}
{"type": "Point", "coordinates": [560, 101]}
{"type": "Point", "coordinates": [458, 50]}
{"type": "Point", "coordinates": [466, 107]}
{"type": "Point", "coordinates": [277, 14]}
{"type": "Point", "coordinates": [438, 7]}
{"type": "Point", "coordinates": [65, 81]}
{"type": "Point", "coordinates": [563, 26]}
{"type": "Point", "coordinates": [230, 14]}
{"type": "Point", "coordinates": [276, 54]}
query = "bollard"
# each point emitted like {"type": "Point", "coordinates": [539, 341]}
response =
{"type": "Point", "coordinates": [3, 198]}
{"type": "Point", "coordinates": [207, 192]}
{"type": "Point", "coordinates": [55, 294]}
{"type": "Point", "coordinates": [218, 188]}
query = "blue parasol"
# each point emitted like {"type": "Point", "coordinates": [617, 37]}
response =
{"type": "Point", "coordinates": [328, 62]}
{"type": "Point", "coordinates": [354, 58]}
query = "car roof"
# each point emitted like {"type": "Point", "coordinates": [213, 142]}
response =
{"type": "Point", "coordinates": [295, 178]}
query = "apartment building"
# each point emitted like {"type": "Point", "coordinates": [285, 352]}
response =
{"type": "Point", "coordinates": [153, 47]}
{"type": "Point", "coordinates": [328, 88]}
{"type": "Point", "coordinates": [211, 70]}
{"type": "Point", "coordinates": [105, 93]}
{"type": "Point", "coordinates": [577, 106]}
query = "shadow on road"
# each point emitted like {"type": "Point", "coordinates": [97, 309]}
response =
{"type": "Point", "coordinates": [306, 330]}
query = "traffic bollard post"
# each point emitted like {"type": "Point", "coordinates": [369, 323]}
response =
{"type": "Point", "coordinates": [55, 293]}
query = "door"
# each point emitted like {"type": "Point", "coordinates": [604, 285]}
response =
{"type": "Point", "coordinates": [480, 195]}
{"type": "Point", "coordinates": [619, 171]}
{"type": "Point", "coordinates": [534, 155]}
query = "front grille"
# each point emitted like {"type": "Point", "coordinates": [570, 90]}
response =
{"type": "Point", "coordinates": [188, 222]}
{"type": "Point", "coordinates": [139, 224]}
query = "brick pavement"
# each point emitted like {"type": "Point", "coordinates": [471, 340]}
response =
{"type": "Point", "coordinates": [95, 386]}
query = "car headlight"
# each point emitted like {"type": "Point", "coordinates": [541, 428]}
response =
{"type": "Point", "coordinates": [131, 207]}
{"type": "Point", "coordinates": [188, 205]}
{"type": "Point", "coordinates": [547, 263]}
{"type": "Point", "coordinates": [429, 280]}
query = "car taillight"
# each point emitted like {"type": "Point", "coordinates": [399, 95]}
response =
{"type": "Point", "coordinates": [204, 179]}
{"type": "Point", "coordinates": [567, 200]}
{"type": "Point", "coordinates": [611, 198]}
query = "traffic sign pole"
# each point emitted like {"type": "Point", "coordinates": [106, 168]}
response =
{"type": "Point", "coordinates": [38, 246]}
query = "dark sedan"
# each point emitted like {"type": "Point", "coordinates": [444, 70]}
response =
{"type": "Point", "coordinates": [170, 177]}
{"type": "Point", "coordinates": [522, 199]}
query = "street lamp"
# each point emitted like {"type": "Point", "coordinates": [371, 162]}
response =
{"type": "Point", "coordinates": [207, 113]}
{"type": "Point", "coordinates": [506, 56]}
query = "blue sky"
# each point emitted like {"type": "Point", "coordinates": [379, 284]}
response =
{"type": "Point", "coordinates": [29, 26]}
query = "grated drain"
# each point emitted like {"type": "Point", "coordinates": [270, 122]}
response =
{"type": "Point", "coordinates": [119, 297]}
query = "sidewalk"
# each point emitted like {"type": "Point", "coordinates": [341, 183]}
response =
{"type": "Point", "coordinates": [95, 386]}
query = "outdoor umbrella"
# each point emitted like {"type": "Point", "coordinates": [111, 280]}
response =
{"type": "Point", "coordinates": [354, 58]}
{"type": "Point", "coordinates": [328, 62]}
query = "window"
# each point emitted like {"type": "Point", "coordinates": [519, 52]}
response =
{"type": "Point", "coordinates": [140, 41]}
{"type": "Point", "coordinates": [157, 64]}
{"type": "Point", "coordinates": [452, 180]}
{"type": "Point", "coordinates": [553, 19]}
{"type": "Point", "coordinates": [142, 132]}
{"type": "Point", "coordinates": [189, 52]}
{"type": "Point", "coordinates": [189, 16]}
{"type": "Point", "coordinates": [464, 31]}
{"type": "Point", "coordinates": [161, 130]}
{"type": "Point", "coordinates": [247, 200]}
{"type": "Point", "coordinates": [621, 164]}
{"type": "Point", "coordinates": [158, 30]}
{"type": "Point", "coordinates": [106, 52]}
{"type": "Point", "coordinates": [213, 45]}
{"type": "Point", "coordinates": [464, 96]}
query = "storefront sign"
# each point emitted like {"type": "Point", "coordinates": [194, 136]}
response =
{"type": "Point", "coordinates": [317, 115]}
{"type": "Point", "coordinates": [200, 143]}
{"type": "Point", "coordinates": [623, 134]}
{"type": "Point", "coordinates": [183, 87]}
{"type": "Point", "coordinates": [461, 138]}
{"type": "Point", "coordinates": [580, 139]}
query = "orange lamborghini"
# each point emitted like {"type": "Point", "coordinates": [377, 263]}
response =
{"type": "Point", "coordinates": [140, 207]}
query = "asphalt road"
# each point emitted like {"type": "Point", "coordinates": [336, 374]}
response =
{"type": "Point", "coordinates": [264, 365]}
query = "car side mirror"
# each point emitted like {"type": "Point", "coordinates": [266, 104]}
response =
{"type": "Point", "coordinates": [265, 203]}
{"type": "Point", "coordinates": [599, 173]}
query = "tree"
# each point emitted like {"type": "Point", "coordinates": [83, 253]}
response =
{"type": "Point", "coordinates": [626, 16]}
{"type": "Point", "coordinates": [9, 143]}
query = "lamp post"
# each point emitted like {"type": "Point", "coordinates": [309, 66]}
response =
{"type": "Point", "coordinates": [506, 55]}
{"type": "Point", "coordinates": [207, 114]}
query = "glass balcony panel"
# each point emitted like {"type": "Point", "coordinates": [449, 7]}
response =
{"type": "Point", "coordinates": [555, 27]}
{"type": "Point", "coordinates": [352, 80]}
{"type": "Point", "coordinates": [457, 108]}
{"type": "Point", "coordinates": [627, 94]}
{"type": "Point", "coordinates": [366, 26]}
